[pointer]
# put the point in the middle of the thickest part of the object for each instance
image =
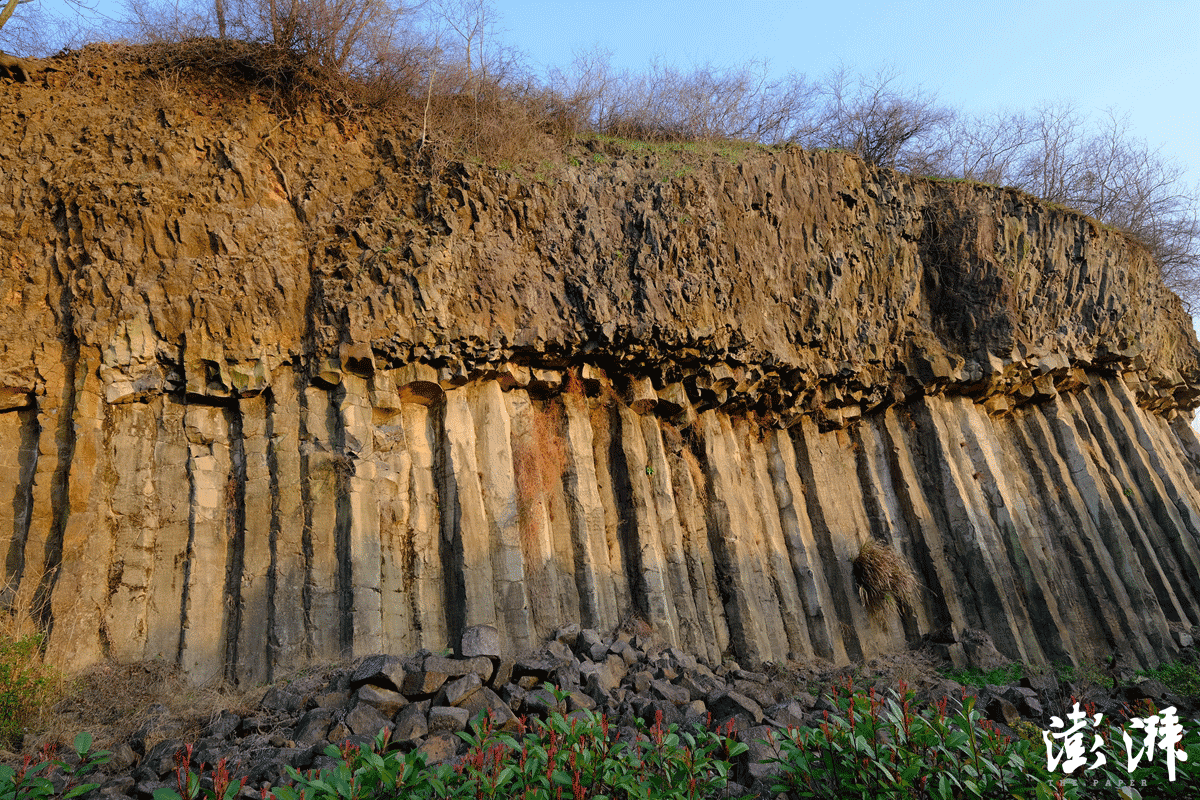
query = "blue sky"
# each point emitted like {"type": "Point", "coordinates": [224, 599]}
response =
{"type": "Point", "coordinates": [1142, 58]}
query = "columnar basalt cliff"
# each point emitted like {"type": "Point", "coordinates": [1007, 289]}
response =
{"type": "Point", "coordinates": [273, 392]}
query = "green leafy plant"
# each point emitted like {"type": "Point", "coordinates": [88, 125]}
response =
{"type": "Point", "coordinates": [1181, 677]}
{"type": "Point", "coordinates": [578, 758]}
{"type": "Point", "coordinates": [879, 745]}
{"type": "Point", "coordinates": [974, 676]}
{"type": "Point", "coordinates": [32, 781]}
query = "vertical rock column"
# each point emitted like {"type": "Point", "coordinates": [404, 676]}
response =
{"type": "Point", "coordinates": [1091, 586]}
{"type": "Point", "coordinates": [465, 541]}
{"type": "Point", "coordinates": [203, 650]}
{"type": "Point", "coordinates": [545, 539]}
{"type": "Point", "coordinates": [287, 640]}
{"type": "Point", "coordinates": [751, 605]}
{"type": "Point", "coordinates": [502, 529]}
{"type": "Point", "coordinates": [83, 553]}
{"type": "Point", "coordinates": [327, 603]}
{"type": "Point", "coordinates": [256, 613]}
{"type": "Point", "coordinates": [135, 525]}
{"type": "Point", "coordinates": [18, 460]}
{"type": "Point", "coordinates": [164, 611]}
{"type": "Point", "coordinates": [644, 530]}
{"type": "Point", "coordinates": [594, 578]}
{"type": "Point", "coordinates": [421, 536]}
{"type": "Point", "coordinates": [828, 466]}
{"type": "Point", "coordinates": [808, 572]}
{"type": "Point", "coordinates": [362, 537]}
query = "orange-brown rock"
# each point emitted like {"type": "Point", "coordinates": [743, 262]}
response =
{"type": "Point", "coordinates": [271, 392]}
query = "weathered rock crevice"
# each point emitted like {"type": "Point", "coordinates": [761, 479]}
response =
{"type": "Point", "coordinates": [259, 411]}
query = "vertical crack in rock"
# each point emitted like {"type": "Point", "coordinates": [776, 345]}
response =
{"type": "Point", "coordinates": [288, 639]}
{"type": "Point", "coordinates": [236, 649]}
{"type": "Point", "coordinates": [626, 519]}
{"type": "Point", "coordinates": [343, 465]}
{"type": "Point", "coordinates": [450, 518]}
{"type": "Point", "coordinates": [276, 639]}
{"type": "Point", "coordinates": [306, 502]}
{"type": "Point", "coordinates": [836, 569]}
{"type": "Point", "coordinates": [1152, 480]}
{"type": "Point", "coordinates": [1068, 527]}
{"type": "Point", "coordinates": [926, 548]}
{"type": "Point", "coordinates": [20, 476]}
{"type": "Point", "coordinates": [69, 239]}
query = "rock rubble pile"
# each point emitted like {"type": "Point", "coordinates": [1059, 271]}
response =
{"type": "Point", "coordinates": [426, 699]}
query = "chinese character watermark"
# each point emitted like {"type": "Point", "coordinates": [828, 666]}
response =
{"type": "Point", "coordinates": [1071, 753]}
{"type": "Point", "coordinates": [1162, 732]}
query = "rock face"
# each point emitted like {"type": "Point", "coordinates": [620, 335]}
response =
{"type": "Point", "coordinates": [272, 393]}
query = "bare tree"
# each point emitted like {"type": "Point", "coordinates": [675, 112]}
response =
{"type": "Point", "coordinates": [986, 148]}
{"type": "Point", "coordinates": [1062, 155]}
{"type": "Point", "coordinates": [36, 33]}
{"type": "Point", "coordinates": [877, 119]}
{"type": "Point", "coordinates": [7, 9]}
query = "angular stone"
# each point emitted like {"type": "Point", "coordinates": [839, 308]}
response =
{"type": "Point", "coordinates": [675, 695]}
{"type": "Point", "coordinates": [365, 720]}
{"type": "Point", "coordinates": [1000, 710]}
{"type": "Point", "coordinates": [422, 683]}
{"type": "Point", "coordinates": [480, 640]}
{"type": "Point", "coordinates": [280, 698]}
{"type": "Point", "coordinates": [457, 667]}
{"type": "Point", "coordinates": [577, 701]}
{"type": "Point", "coordinates": [787, 715]}
{"type": "Point", "coordinates": [439, 749]}
{"type": "Point", "coordinates": [223, 726]}
{"type": "Point", "coordinates": [725, 704]}
{"type": "Point", "coordinates": [379, 670]}
{"type": "Point", "coordinates": [763, 742]}
{"type": "Point", "coordinates": [411, 724]}
{"type": "Point", "coordinates": [459, 691]}
{"type": "Point", "coordinates": [485, 700]}
{"type": "Point", "coordinates": [447, 719]}
{"type": "Point", "coordinates": [587, 640]}
{"type": "Point", "coordinates": [567, 635]}
{"type": "Point", "coordinates": [541, 702]}
{"type": "Point", "coordinates": [601, 675]}
{"type": "Point", "coordinates": [386, 701]}
{"type": "Point", "coordinates": [313, 727]}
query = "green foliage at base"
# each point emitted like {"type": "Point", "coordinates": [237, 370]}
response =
{"type": "Point", "coordinates": [26, 685]}
{"type": "Point", "coordinates": [574, 758]}
{"type": "Point", "coordinates": [32, 781]}
{"type": "Point", "coordinates": [1181, 677]}
{"type": "Point", "coordinates": [879, 745]}
{"type": "Point", "coordinates": [973, 676]}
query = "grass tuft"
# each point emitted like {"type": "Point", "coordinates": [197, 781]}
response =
{"type": "Point", "coordinates": [884, 579]}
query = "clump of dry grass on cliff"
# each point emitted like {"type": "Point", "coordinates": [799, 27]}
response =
{"type": "Point", "coordinates": [884, 579]}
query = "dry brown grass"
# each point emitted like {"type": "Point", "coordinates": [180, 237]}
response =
{"type": "Point", "coordinates": [28, 685]}
{"type": "Point", "coordinates": [884, 578]}
{"type": "Point", "coordinates": [116, 702]}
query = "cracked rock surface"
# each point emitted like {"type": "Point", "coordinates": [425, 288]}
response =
{"type": "Point", "coordinates": [273, 393]}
